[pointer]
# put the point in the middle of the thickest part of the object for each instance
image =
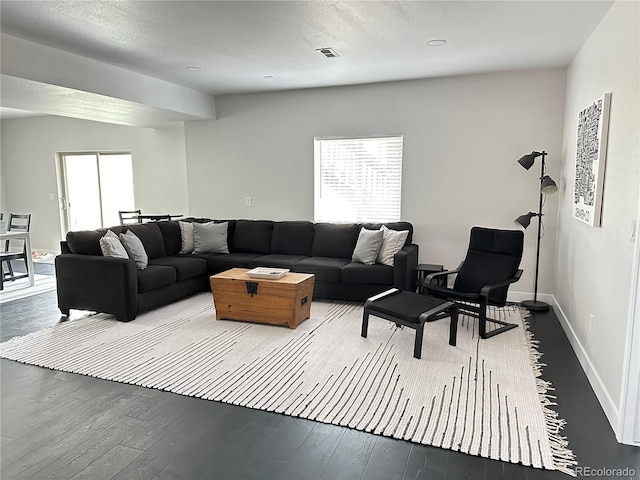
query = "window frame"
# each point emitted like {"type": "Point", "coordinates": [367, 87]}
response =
{"type": "Point", "coordinates": [361, 216]}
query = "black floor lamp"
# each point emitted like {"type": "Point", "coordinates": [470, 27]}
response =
{"type": "Point", "coordinates": [547, 186]}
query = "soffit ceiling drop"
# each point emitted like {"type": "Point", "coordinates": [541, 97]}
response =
{"type": "Point", "coordinates": [255, 46]}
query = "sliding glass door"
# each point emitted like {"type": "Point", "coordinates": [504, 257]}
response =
{"type": "Point", "coordinates": [95, 186]}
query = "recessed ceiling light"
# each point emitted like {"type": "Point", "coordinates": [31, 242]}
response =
{"type": "Point", "coordinates": [193, 69]}
{"type": "Point", "coordinates": [436, 42]}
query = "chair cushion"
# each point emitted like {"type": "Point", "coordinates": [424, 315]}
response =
{"type": "Point", "coordinates": [334, 240]}
{"type": "Point", "coordinates": [493, 257]}
{"type": "Point", "coordinates": [252, 236]}
{"type": "Point", "coordinates": [276, 260]}
{"type": "Point", "coordinates": [151, 237]}
{"type": "Point", "coordinates": [501, 242]}
{"type": "Point", "coordinates": [407, 306]}
{"type": "Point", "coordinates": [292, 238]}
{"type": "Point", "coordinates": [185, 266]}
{"type": "Point", "coordinates": [325, 269]}
{"type": "Point", "coordinates": [155, 276]}
{"type": "Point", "coordinates": [359, 273]}
{"type": "Point", "coordinates": [479, 270]}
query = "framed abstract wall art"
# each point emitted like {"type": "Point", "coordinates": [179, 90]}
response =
{"type": "Point", "coordinates": [591, 153]}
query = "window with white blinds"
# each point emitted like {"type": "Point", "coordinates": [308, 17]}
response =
{"type": "Point", "coordinates": [357, 179]}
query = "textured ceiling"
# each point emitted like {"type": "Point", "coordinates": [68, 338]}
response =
{"type": "Point", "coordinates": [237, 43]}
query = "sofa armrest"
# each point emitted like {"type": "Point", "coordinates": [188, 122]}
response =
{"type": "Point", "coordinates": [102, 284]}
{"type": "Point", "coordinates": [404, 266]}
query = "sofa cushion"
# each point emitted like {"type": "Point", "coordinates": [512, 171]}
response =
{"type": "Point", "coordinates": [185, 266]}
{"type": "Point", "coordinates": [87, 242]}
{"type": "Point", "coordinates": [155, 276]}
{"type": "Point", "coordinates": [394, 226]}
{"type": "Point", "coordinates": [217, 263]}
{"type": "Point", "coordinates": [376, 274]}
{"type": "Point", "coordinates": [151, 237]}
{"type": "Point", "coordinates": [334, 240]}
{"type": "Point", "coordinates": [325, 269]}
{"type": "Point", "coordinates": [253, 236]}
{"type": "Point", "coordinates": [276, 260]}
{"type": "Point", "coordinates": [171, 235]}
{"type": "Point", "coordinates": [292, 238]}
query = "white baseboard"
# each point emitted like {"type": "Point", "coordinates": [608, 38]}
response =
{"type": "Point", "coordinates": [610, 408]}
{"type": "Point", "coordinates": [517, 297]}
{"type": "Point", "coordinates": [606, 402]}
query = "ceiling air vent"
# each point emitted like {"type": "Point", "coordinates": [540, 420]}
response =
{"type": "Point", "coordinates": [327, 52]}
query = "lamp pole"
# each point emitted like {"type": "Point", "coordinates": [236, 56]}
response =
{"type": "Point", "coordinates": [534, 304]}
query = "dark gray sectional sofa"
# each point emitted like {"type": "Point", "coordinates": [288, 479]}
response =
{"type": "Point", "coordinates": [87, 280]}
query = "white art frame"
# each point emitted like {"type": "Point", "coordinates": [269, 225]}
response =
{"type": "Point", "coordinates": [591, 155]}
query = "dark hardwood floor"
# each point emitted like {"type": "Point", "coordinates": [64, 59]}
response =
{"type": "Point", "coordinates": [62, 425]}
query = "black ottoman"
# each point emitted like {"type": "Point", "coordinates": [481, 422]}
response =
{"type": "Point", "coordinates": [411, 310]}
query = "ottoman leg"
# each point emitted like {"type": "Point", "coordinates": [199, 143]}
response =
{"type": "Point", "coordinates": [417, 349]}
{"type": "Point", "coordinates": [453, 326]}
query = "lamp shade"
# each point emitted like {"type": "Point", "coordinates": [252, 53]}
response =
{"type": "Point", "coordinates": [527, 160]}
{"type": "Point", "coordinates": [525, 220]}
{"type": "Point", "coordinates": [547, 185]}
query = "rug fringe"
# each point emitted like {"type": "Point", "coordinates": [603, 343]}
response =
{"type": "Point", "coordinates": [563, 458]}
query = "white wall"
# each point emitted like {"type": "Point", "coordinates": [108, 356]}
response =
{"type": "Point", "coordinates": [29, 147]}
{"type": "Point", "coordinates": [462, 139]}
{"type": "Point", "coordinates": [594, 265]}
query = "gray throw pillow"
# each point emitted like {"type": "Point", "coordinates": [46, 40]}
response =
{"type": "Point", "coordinates": [133, 245]}
{"type": "Point", "coordinates": [367, 246]}
{"type": "Point", "coordinates": [392, 243]}
{"type": "Point", "coordinates": [186, 235]}
{"type": "Point", "coordinates": [111, 246]}
{"type": "Point", "coordinates": [210, 238]}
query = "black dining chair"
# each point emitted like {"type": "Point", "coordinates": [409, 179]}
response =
{"type": "Point", "coordinates": [129, 216]}
{"type": "Point", "coordinates": [17, 222]}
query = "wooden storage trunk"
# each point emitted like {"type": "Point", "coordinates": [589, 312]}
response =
{"type": "Point", "coordinates": [285, 301]}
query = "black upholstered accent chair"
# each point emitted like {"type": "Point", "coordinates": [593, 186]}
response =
{"type": "Point", "coordinates": [483, 278]}
{"type": "Point", "coordinates": [17, 222]}
{"type": "Point", "coordinates": [129, 216]}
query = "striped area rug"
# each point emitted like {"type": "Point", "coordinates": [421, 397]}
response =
{"type": "Point", "coordinates": [481, 397]}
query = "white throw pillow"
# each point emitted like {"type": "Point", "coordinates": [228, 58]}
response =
{"type": "Point", "coordinates": [392, 243]}
{"type": "Point", "coordinates": [210, 237]}
{"type": "Point", "coordinates": [186, 232]}
{"type": "Point", "coordinates": [111, 246]}
{"type": "Point", "coordinates": [367, 246]}
{"type": "Point", "coordinates": [133, 245]}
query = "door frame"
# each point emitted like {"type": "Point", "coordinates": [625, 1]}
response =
{"type": "Point", "coordinates": [61, 178]}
